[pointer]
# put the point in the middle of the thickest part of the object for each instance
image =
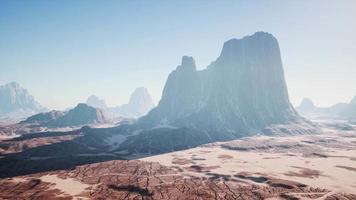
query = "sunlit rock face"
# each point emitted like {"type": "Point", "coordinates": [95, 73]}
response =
{"type": "Point", "coordinates": [16, 102]}
{"type": "Point", "coordinates": [243, 90]}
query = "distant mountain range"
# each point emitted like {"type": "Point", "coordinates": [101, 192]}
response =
{"type": "Point", "coordinates": [17, 103]}
{"type": "Point", "coordinates": [340, 110]}
{"type": "Point", "coordinates": [139, 104]}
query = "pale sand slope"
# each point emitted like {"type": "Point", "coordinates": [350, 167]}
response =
{"type": "Point", "coordinates": [69, 186]}
{"type": "Point", "coordinates": [324, 161]}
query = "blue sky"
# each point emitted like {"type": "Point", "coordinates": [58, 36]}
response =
{"type": "Point", "coordinates": [64, 51]}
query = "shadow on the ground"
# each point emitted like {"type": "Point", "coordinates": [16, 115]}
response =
{"type": "Point", "coordinates": [94, 145]}
{"type": "Point", "coordinates": [88, 148]}
{"type": "Point", "coordinates": [131, 188]}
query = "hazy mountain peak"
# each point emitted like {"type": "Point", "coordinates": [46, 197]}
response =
{"type": "Point", "coordinates": [140, 94]}
{"type": "Point", "coordinates": [16, 102]}
{"type": "Point", "coordinates": [139, 104]}
{"type": "Point", "coordinates": [306, 106]}
{"type": "Point", "coordinates": [96, 102]}
{"type": "Point", "coordinates": [306, 102]}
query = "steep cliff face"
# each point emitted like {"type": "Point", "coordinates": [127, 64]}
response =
{"type": "Point", "coordinates": [180, 96]}
{"type": "Point", "coordinates": [243, 90]}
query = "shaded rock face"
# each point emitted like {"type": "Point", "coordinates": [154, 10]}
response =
{"type": "Point", "coordinates": [96, 102]}
{"type": "Point", "coordinates": [139, 104]}
{"type": "Point", "coordinates": [243, 90]}
{"type": "Point", "coordinates": [80, 115]}
{"type": "Point", "coordinates": [16, 102]}
{"type": "Point", "coordinates": [44, 117]}
{"type": "Point", "coordinates": [181, 94]}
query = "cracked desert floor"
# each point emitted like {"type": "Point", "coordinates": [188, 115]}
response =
{"type": "Point", "coordinates": [318, 166]}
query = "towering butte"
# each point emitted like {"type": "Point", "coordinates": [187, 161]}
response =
{"type": "Point", "coordinates": [242, 91]}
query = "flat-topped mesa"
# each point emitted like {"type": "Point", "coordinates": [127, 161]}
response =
{"type": "Point", "coordinates": [243, 90]}
{"type": "Point", "coordinates": [258, 44]}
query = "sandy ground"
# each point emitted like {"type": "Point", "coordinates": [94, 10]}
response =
{"type": "Point", "coordinates": [69, 186]}
{"type": "Point", "coordinates": [66, 187]}
{"type": "Point", "coordinates": [330, 164]}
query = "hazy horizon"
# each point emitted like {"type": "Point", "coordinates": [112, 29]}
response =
{"type": "Point", "coordinates": [109, 49]}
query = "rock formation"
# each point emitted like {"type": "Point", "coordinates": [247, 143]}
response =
{"type": "Point", "coordinates": [139, 104]}
{"type": "Point", "coordinates": [339, 110]}
{"type": "Point", "coordinates": [96, 102]}
{"type": "Point", "coordinates": [82, 114]}
{"type": "Point", "coordinates": [16, 102]}
{"type": "Point", "coordinates": [46, 117]}
{"type": "Point", "coordinates": [307, 106]}
{"type": "Point", "coordinates": [243, 90]}
{"type": "Point", "coordinates": [350, 112]}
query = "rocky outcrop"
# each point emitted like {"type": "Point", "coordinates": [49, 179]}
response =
{"type": "Point", "coordinates": [242, 91]}
{"type": "Point", "coordinates": [42, 118]}
{"type": "Point", "coordinates": [82, 114]}
{"type": "Point", "coordinates": [17, 103]}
